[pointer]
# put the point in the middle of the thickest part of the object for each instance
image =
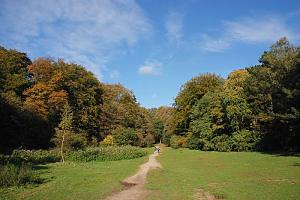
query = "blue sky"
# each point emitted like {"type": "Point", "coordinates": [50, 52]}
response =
{"type": "Point", "coordinates": [152, 47]}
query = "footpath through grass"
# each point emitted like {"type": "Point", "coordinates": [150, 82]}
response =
{"type": "Point", "coordinates": [236, 175]}
{"type": "Point", "coordinates": [91, 180]}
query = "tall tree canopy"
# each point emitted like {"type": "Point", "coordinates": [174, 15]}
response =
{"type": "Point", "coordinates": [256, 108]}
{"type": "Point", "coordinates": [188, 96]}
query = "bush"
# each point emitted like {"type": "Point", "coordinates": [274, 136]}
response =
{"type": "Point", "coordinates": [244, 140]}
{"type": "Point", "coordinates": [108, 140]}
{"type": "Point", "coordinates": [106, 153]}
{"type": "Point", "coordinates": [195, 143]}
{"type": "Point", "coordinates": [77, 141]}
{"type": "Point", "coordinates": [166, 139]}
{"type": "Point", "coordinates": [34, 156]}
{"type": "Point", "coordinates": [173, 141]}
{"type": "Point", "coordinates": [200, 144]}
{"type": "Point", "coordinates": [125, 136]}
{"type": "Point", "coordinates": [15, 175]}
{"type": "Point", "coordinates": [221, 143]}
{"type": "Point", "coordinates": [178, 141]}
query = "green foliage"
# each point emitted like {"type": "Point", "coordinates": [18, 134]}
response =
{"type": "Point", "coordinates": [254, 108]}
{"type": "Point", "coordinates": [159, 131]}
{"type": "Point", "coordinates": [16, 175]}
{"type": "Point", "coordinates": [273, 94]}
{"type": "Point", "coordinates": [13, 71]}
{"type": "Point", "coordinates": [16, 169]}
{"type": "Point", "coordinates": [164, 116]}
{"type": "Point", "coordinates": [245, 140]}
{"type": "Point", "coordinates": [125, 136]}
{"type": "Point", "coordinates": [173, 141]}
{"type": "Point", "coordinates": [33, 156]}
{"type": "Point", "coordinates": [106, 153]}
{"type": "Point", "coordinates": [188, 96]}
{"type": "Point", "coordinates": [65, 127]}
{"type": "Point", "coordinates": [77, 141]}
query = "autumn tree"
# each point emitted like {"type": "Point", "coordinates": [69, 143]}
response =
{"type": "Point", "coordinates": [64, 131]}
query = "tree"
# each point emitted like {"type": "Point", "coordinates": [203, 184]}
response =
{"type": "Point", "coordinates": [125, 136]}
{"type": "Point", "coordinates": [189, 94]}
{"type": "Point", "coordinates": [64, 131]}
{"type": "Point", "coordinates": [159, 131]}
{"type": "Point", "coordinates": [237, 109]}
{"type": "Point", "coordinates": [272, 91]}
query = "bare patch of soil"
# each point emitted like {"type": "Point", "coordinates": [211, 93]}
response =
{"type": "Point", "coordinates": [201, 194]}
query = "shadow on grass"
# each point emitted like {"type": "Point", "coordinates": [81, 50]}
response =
{"type": "Point", "coordinates": [296, 164]}
{"type": "Point", "coordinates": [276, 153]}
{"type": "Point", "coordinates": [40, 167]}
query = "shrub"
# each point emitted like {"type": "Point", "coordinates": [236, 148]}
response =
{"type": "Point", "coordinates": [108, 140]}
{"type": "Point", "coordinates": [77, 141]}
{"type": "Point", "coordinates": [178, 141]}
{"type": "Point", "coordinates": [166, 139]}
{"type": "Point", "coordinates": [125, 136]}
{"type": "Point", "coordinates": [34, 156]}
{"type": "Point", "coordinates": [173, 141]}
{"type": "Point", "coordinates": [15, 175]}
{"type": "Point", "coordinates": [221, 143]}
{"type": "Point", "coordinates": [244, 140]}
{"type": "Point", "coordinates": [106, 153]}
{"type": "Point", "coordinates": [195, 143]}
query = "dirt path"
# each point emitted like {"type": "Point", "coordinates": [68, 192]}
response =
{"type": "Point", "coordinates": [135, 184]}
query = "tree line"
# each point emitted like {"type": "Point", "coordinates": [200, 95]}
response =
{"type": "Point", "coordinates": [255, 108]}
{"type": "Point", "coordinates": [46, 103]}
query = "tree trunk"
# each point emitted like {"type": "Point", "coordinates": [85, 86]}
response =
{"type": "Point", "coordinates": [62, 149]}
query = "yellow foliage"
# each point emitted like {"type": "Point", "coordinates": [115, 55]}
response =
{"type": "Point", "coordinates": [109, 140]}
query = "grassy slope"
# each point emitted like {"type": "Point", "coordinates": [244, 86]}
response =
{"type": "Point", "coordinates": [242, 175]}
{"type": "Point", "coordinates": [92, 180]}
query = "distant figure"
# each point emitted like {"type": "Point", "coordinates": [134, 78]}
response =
{"type": "Point", "coordinates": [156, 149]}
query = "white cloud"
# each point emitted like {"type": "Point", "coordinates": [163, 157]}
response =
{"type": "Point", "coordinates": [114, 74]}
{"type": "Point", "coordinates": [87, 32]}
{"type": "Point", "coordinates": [150, 68]}
{"type": "Point", "coordinates": [258, 29]}
{"type": "Point", "coordinates": [214, 44]}
{"type": "Point", "coordinates": [173, 26]}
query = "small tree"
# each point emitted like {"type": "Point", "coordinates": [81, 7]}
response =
{"type": "Point", "coordinates": [64, 130]}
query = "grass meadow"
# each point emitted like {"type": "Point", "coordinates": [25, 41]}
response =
{"type": "Point", "coordinates": [77, 180]}
{"type": "Point", "coordinates": [226, 175]}
{"type": "Point", "coordinates": [185, 173]}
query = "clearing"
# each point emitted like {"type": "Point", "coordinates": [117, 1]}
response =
{"type": "Point", "coordinates": [188, 174]}
{"type": "Point", "coordinates": [91, 180]}
{"type": "Point", "coordinates": [185, 174]}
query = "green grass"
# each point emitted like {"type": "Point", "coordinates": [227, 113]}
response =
{"type": "Point", "coordinates": [92, 180]}
{"type": "Point", "coordinates": [235, 175]}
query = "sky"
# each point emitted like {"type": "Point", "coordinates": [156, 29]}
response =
{"type": "Point", "coordinates": [152, 47]}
